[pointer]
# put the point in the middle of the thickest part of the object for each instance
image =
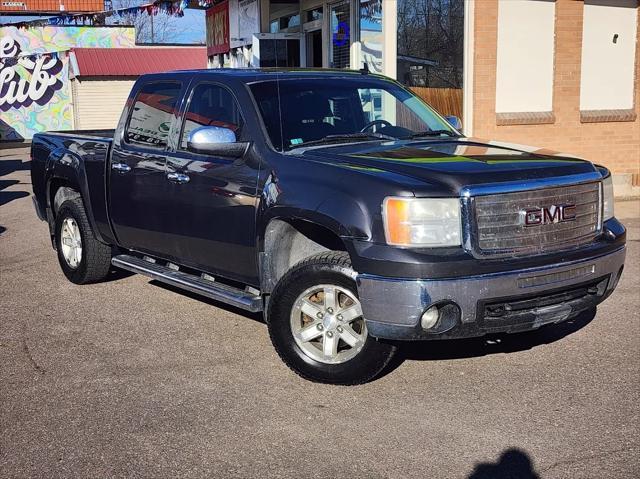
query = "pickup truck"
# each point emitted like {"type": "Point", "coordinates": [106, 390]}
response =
{"type": "Point", "coordinates": [338, 204]}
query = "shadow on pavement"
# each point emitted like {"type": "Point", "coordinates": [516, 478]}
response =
{"type": "Point", "coordinates": [8, 196]}
{"type": "Point", "coordinates": [9, 166]}
{"type": "Point", "coordinates": [2, 229]}
{"type": "Point", "coordinates": [513, 464]}
{"type": "Point", "coordinates": [493, 344]}
{"type": "Point", "coordinates": [116, 274]}
{"type": "Point", "coordinates": [232, 309]}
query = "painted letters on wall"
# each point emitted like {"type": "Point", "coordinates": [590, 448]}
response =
{"type": "Point", "coordinates": [34, 75]}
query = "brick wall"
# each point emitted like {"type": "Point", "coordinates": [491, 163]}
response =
{"type": "Point", "coordinates": [613, 144]}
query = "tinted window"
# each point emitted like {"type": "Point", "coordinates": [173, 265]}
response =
{"type": "Point", "coordinates": [150, 119]}
{"type": "Point", "coordinates": [211, 105]}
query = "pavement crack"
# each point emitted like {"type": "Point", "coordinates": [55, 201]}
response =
{"type": "Point", "coordinates": [34, 363]}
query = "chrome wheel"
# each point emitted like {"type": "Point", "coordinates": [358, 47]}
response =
{"type": "Point", "coordinates": [327, 324]}
{"type": "Point", "coordinates": [71, 242]}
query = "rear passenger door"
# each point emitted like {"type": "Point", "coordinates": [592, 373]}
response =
{"type": "Point", "coordinates": [212, 209]}
{"type": "Point", "coordinates": [138, 186]}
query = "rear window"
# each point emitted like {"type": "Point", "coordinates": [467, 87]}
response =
{"type": "Point", "coordinates": [150, 118]}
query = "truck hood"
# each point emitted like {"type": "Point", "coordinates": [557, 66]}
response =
{"type": "Point", "coordinates": [453, 163]}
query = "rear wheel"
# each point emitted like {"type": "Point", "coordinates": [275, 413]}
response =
{"type": "Point", "coordinates": [82, 257]}
{"type": "Point", "coordinates": [316, 323]}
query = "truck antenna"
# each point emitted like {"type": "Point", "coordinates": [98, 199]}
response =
{"type": "Point", "coordinates": [365, 69]}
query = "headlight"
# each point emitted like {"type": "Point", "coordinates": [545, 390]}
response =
{"type": "Point", "coordinates": [427, 222]}
{"type": "Point", "coordinates": [607, 198]}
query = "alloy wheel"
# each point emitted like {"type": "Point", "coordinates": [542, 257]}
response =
{"type": "Point", "coordinates": [327, 324]}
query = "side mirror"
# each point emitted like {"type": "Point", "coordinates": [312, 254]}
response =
{"type": "Point", "coordinates": [454, 121]}
{"type": "Point", "coordinates": [216, 141]}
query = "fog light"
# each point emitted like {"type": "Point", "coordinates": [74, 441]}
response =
{"type": "Point", "coordinates": [430, 317]}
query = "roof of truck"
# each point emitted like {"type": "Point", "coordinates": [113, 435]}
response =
{"type": "Point", "coordinates": [252, 73]}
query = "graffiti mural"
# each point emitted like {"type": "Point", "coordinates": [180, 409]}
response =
{"type": "Point", "coordinates": [34, 75]}
{"type": "Point", "coordinates": [38, 84]}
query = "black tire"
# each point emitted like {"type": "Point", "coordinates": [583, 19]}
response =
{"type": "Point", "coordinates": [95, 261]}
{"type": "Point", "coordinates": [325, 268]}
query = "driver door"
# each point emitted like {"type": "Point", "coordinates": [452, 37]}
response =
{"type": "Point", "coordinates": [211, 203]}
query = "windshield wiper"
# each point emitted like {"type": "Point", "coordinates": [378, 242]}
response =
{"type": "Point", "coordinates": [434, 133]}
{"type": "Point", "coordinates": [327, 140]}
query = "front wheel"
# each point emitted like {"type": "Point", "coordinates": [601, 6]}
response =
{"type": "Point", "coordinates": [316, 323]}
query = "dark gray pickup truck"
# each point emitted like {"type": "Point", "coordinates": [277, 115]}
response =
{"type": "Point", "coordinates": [337, 203]}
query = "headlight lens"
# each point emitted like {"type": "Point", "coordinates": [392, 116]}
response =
{"type": "Point", "coordinates": [427, 222]}
{"type": "Point", "coordinates": [607, 198]}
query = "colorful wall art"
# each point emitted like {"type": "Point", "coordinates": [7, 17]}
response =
{"type": "Point", "coordinates": [35, 93]}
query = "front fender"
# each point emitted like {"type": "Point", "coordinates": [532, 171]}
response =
{"type": "Point", "coordinates": [338, 212]}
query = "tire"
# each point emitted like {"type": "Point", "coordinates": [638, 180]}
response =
{"type": "Point", "coordinates": [308, 286]}
{"type": "Point", "coordinates": [93, 261]}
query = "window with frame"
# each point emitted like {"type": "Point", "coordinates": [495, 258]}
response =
{"type": "Point", "coordinates": [524, 81]}
{"type": "Point", "coordinates": [150, 117]}
{"type": "Point", "coordinates": [211, 105]}
{"type": "Point", "coordinates": [608, 66]}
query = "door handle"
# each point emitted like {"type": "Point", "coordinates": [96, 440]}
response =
{"type": "Point", "coordinates": [179, 178]}
{"type": "Point", "coordinates": [121, 167]}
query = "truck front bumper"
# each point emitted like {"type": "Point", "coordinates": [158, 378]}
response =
{"type": "Point", "coordinates": [471, 306]}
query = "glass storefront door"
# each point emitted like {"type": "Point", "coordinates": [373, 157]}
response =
{"type": "Point", "coordinates": [340, 44]}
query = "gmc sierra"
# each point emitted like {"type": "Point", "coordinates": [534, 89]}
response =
{"type": "Point", "coordinates": [337, 203]}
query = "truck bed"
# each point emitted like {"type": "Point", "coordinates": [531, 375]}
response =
{"type": "Point", "coordinates": [82, 133]}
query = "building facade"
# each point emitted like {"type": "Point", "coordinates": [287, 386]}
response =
{"type": "Point", "coordinates": [562, 74]}
{"type": "Point", "coordinates": [75, 78]}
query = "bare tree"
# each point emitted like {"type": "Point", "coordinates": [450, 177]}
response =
{"type": "Point", "coordinates": [433, 30]}
{"type": "Point", "coordinates": [160, 28]}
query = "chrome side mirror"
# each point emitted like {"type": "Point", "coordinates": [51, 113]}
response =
{"type": "Point", "coordinates": [454, 121]}
{"type": "Point", "coordinates": [216, 141]}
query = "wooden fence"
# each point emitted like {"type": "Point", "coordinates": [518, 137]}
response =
{"type": "Point", "coordinates": [447, 101]}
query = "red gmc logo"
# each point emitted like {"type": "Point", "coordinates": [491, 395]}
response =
{"type": "Point", "coordinates": [548, 215]}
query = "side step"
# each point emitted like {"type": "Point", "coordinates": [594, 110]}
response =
{"type": "Point", "coordinates": [220, 292]}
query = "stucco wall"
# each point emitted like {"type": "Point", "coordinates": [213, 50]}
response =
{"type": "Point", "coordinates": [525, 56]}
{"type": "Point", "coordinates": [603, 54]}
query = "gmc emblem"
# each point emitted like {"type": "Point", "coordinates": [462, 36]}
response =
{"type": "Point", "coordinates": [548, 215]}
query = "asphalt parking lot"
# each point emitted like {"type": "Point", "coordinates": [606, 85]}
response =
{"type": "Point", "coordinates": [130, 378]}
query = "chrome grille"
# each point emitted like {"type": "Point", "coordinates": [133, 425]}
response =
{"type": "Point", "coordinates": [500, 229]}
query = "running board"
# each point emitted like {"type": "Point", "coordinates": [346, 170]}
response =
{"type": "Point", "coordinates": [214, 290]}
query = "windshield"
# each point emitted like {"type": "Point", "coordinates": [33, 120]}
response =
{"type": "Point", "coordinates": [319, 110]}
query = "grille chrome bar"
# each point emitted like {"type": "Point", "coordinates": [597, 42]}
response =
{"type": "Point", "coordinates": [496, 228]}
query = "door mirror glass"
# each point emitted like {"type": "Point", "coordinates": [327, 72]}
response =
{"type": "Point", "coordinates": [215, 141]}
{"type": "Point", "coordinates": [210, 134]}
{"type": "Point", "coordinates": [454, 121]}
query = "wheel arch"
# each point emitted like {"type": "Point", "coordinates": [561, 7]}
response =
{"type": "Point", "coordinates": [67, 179]}
{"type": "Point", "coordinates": [59, 189]}
{"type": "Point", "coordinates": [288, 240]}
